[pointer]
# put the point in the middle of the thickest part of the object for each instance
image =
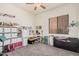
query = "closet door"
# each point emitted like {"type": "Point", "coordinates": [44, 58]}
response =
{"type": "Point", "coordinates": [53, 25]}
{"type": "Point", "coordinates": [63, 23]}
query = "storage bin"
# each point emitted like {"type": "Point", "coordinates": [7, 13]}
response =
{"type": "Point", "coordinates": [12, 47]}
{"type": "Point", "coordinates": [2, 38]}
{"type": "Point", "coordinates": [1, 30]}
{"type": "Point", "coordinates": [1, 34]}
{"type": "Point", "coordinates": [18, 39]}
{"type": "Point", "coordinates": [13, 29]}
{"type": "Point", "coordinates": [45, 40]}
{"type": "Point", "coordinates": [0, 43]}
{"type": "Point", "coordinates": [17, 44]}
{"type": "Point", "coordinates": [25, 33]}
{"type": "Point", "coordinates": [25, 41]}
{"type": "Point", "coordinates": [6, 42]}
{"type": "Point", "coordinates": [13, 41]}
{"type": "Point", "coordinates": [14, 34]}
{"type": "Point", "coordinates": [7, 35]}
{"type": "Point", "coordinates": [6, 29]}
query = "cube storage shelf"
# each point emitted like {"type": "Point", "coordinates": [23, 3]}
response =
{"type": "Point", "coordinates": [11, 37]}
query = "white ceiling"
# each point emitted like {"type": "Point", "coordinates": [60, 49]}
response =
{"type": "Point", "coordinates": [30, 8]}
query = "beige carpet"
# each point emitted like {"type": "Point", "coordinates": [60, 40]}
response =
{"type": "Point", "coordinates": [39, 49]}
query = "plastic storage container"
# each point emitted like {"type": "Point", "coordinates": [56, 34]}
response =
{"type": "Point", "coordinates": [1, 30]}
{"type": "Point", "coordinates": [6, 30]}
{"type": "Point", "coordinates": [13, 29]}
{"type": "Point", "coordinates": [14, 34]}
{"type": "Point", "coordinates": [0, 43]}
{"type": "Point", "coordinates": [7, 35]}
{"type": "Point", "coordinates": [6, 42]}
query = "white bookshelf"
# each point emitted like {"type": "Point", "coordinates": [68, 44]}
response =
{"type": "Point", "coordinates": [25, 35]}
{"type": "Point", "coordinates": [11, 36]}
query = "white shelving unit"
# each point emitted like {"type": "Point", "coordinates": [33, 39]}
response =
{"type": "Point", "coordinates": [25, 35]}
{"type": "Point", "coordinates": [11, 36]}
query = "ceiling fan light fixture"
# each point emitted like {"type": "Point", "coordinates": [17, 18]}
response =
{"type": "Point", "coordinates": [42, 6]}
{"type": "Point", "coordinates": [38, 6]}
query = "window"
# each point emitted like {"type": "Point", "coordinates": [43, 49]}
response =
{"type": "Point", "coordinates": [59, 25]}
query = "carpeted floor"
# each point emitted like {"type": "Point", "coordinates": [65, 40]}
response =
{"type": "Point", "coordinates": [39, 49]}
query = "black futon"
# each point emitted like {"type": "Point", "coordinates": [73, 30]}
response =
{"type": "Point", "coordinates": [69, 43]}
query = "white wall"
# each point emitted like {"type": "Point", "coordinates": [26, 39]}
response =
{"type": "Point", "coordinates": [78, 18]}
{"type": "Point", "coordinates": [22, 17]}
{"type": "Point", "coordinates": [42, 18]}
{"type": "Point", "coordinates": [25, 18]}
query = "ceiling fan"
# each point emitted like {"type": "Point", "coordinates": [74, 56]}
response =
{"type": "Point", "coordinates": [37, 5]}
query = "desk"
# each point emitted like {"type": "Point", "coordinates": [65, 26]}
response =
{"type": "Point", "coordinates": [31, 40]}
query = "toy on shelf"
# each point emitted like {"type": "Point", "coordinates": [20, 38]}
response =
{"type": "Point", "coordinates": [9, 24]}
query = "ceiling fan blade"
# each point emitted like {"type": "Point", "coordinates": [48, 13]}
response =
{"type": "Point", "coordinates": [35, 8]}
{"type": "Point", "coordinates": [29, 3]}
{"type": "Point", "coordinates": [42, 6]}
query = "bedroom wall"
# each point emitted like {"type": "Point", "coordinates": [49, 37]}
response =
{"type": "Point", "coordinates": [22, 17]}
{"type": "Point", "coordinates": [71, 9]}
{"type": "Point", "coordinates": [25, 18]}
{"type": "Point", "coordinates": [78, 18]}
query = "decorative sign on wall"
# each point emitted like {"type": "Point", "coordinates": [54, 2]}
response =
{"type": "Point", "coordinates": [7, 15]}
{"type": "Point", "coordinates": [74, 23]}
